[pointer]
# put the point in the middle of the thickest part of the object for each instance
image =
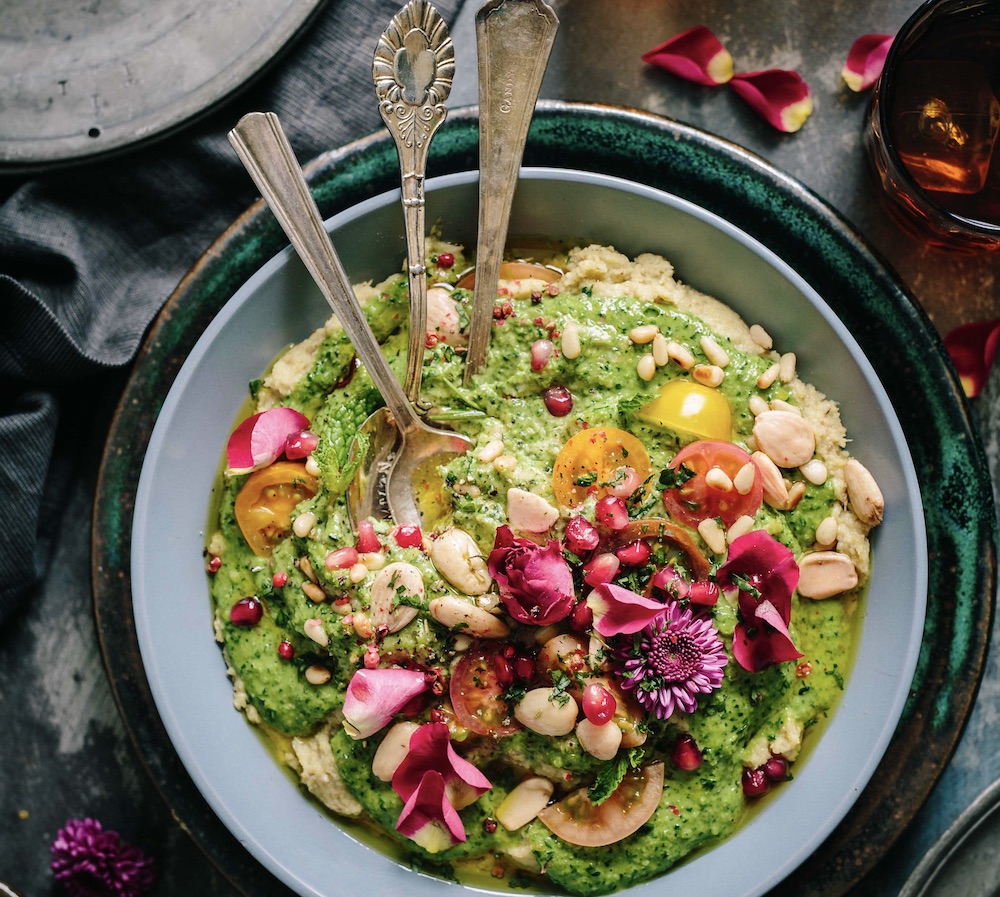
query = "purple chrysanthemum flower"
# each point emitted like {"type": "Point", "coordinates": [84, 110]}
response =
{"type": "Point", "coordinates": [90, 862]}
{"type": "Point", "coordinates": [675, 657]}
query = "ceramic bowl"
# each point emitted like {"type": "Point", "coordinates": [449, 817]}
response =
{"type": "Point", "coordinates": [278, 305]}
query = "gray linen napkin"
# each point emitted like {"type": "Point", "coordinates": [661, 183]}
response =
{"type": "Point", "coordinates": [89, 254]}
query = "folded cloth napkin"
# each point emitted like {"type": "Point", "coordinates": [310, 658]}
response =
{"type": "Point", "coordinates": [89, 254]}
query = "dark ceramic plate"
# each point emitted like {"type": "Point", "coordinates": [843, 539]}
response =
{"type": "Point", "coordinates": [784, 217]}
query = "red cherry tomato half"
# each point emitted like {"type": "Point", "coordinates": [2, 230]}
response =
{"type": "Point", "coordinates": [477, 695]}
{"type": "Point", "coordinates": [697, 499]}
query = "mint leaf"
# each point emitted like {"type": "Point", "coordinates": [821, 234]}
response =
{"type": "Point", "coordinates": [610, 776]}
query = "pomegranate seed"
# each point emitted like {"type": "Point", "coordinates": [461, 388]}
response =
{"type": "Point", "coordinates": [703, 592]}
{"type": "Point", "coordinates": [342, 558]}
{"type": "Point", "coordinates": [776, 769]}
{"type": "Point", "coordinates": [300, 445]}
{"type": "Point", "coordinates": [246, 612]}
{"type": "Point", "coordinates": [600, 568]}
{"type": "Point", "coordinates": [599, 705]}
{"type": "Point", "coordinates": [755, 782]}
{"type": "Point", "coordinates": [368, 542]}
{"type": "Point", "coordinates": [524, 667]}
{"type": "Point", "coordinates": [409, 536]}
{"type": "Point", "coordinates": [280, 579]}
{"type": "Point", "coordinates": [581, 535]}
{"type": "Point", "coordinates": [635, 554]}
{"type": "Point", "coordinates": [581, 618]}
{"type": "Point", "coordinates": [558, 401]}
{"type": "Point", "coordinates": [371, 657]}
{"type": "Point", "coordinates": [803, 669]}
{"type": "Point", "coordinates": [686, 753]}
{"type": "Point", "coordinates": [624, 481]}
{"type": "Point", "coordinates": [214, 564]}
{"type": "Point", "coordinates": [504, 671]}
{"type": "Point", "coordinates": [445, 260]}
{"type": "Point", "coordinates": [541, 352]}
{"type": "Point", "coordinates": [286, 650]}
{"type": "Point", "coordinates": [611, 513]}
{"type": "Point", "coordinates": [489, 825]}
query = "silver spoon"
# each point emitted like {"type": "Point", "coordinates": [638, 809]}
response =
{"type": "Point", "coordinates": [513, 41]}
{"type": "Point", "coordinates": [405, 442]}
{"type": "Point", "coordinates": [413, 69]}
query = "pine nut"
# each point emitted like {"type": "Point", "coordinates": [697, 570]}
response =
{"type": "Point", "coordinates": [307, 569]}
{"type": "Point", "coordinates": [391, 751]}
{"type": "Point", "coordinates": [303, 524]}
{"type": "Point", "coordinates": [786, 365]}
{"type": "Point", "coordinates": [313, 592]}
{"type": "Point", "coordinates": [491, 451]}
{"type": "Point", "coordinates": [312, 467]}
{"type": "Point", "coordinates": [714, 352]}
{"type": "Point", "coordinates": [760, 336]}
{"type": "Point", "coordinates": [814, 471]}
{"type": "Point", "coordinates": [708, 374]}
{"type": "Point", "coordinates": [717, 478]}
{"type": "Point", "coordinates": [357, 573]}
{"type": "Point", "coordinates": [317, 675]}
{"type": "Point", "coordinates": [314, 630]}
{"type": "Point", "coordinates": [362, 625]}
{"type": "Point", "coordinates": [682, 355]}
{"type": "Point", "coordinates": [661, 354]}
{"type": "Point", "coordinates": [373, 560]}
{"type": "Point", "coordinates": [745, 477]}
{"type": "Point", "coordinates": [741, 526]}
{"type": "Point", "coordinates": [646, 367]}
{"type": "Point", "coordinates": [757, 405]}
{"type": "Point", "coordinates": [504, 463]}
{"type": "Point", "coordinates": [342, 606]}
{"type": "Point", "coordinates": [782, 405]}
{"type": "Point", "coordinates": [795, 494]}
{"type": "Point", "coordinates": [571, 347]}
{"type": "Point", "coordinates": [826, 532]}
{"type": "Point", "coordinates": [644, 333]}
{"type": "Point", "coordinates": [768, 377]}
{"type": "Point", "coordinates": [713, 535]}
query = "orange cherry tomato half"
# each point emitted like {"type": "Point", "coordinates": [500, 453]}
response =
{"type": "Point", "coordinates": [264, 505]}
{"type": "Point", "coordinates": [476, 694]}
{"type": "Point", "coordinates": [699, 498]}
{"type": "Point", "coordinates": [659, 529]}
{"type": "Point", "coordinates": [513, 271]}
{"type": "Point", "coordinates": [587, 463]}
{"type": "Point", "coordinates": [576, 820]}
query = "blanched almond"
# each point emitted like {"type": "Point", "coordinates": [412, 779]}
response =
{"type": "Point", "coordinates": [528, 512]}
{"type": "Point", "coordinates": [866, 497]}
{"type": "Point", "coordinates": [823, 574]}
{"type": "Point", "coordinates": [786, 438]}
{"type": "Point", "coordinates": [775, 490]}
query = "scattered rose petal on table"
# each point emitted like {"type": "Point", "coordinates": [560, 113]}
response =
{"type": "Point", "coordinates": [87, 860]}
{"type": "Point", "coordinates": [973, 348]}
{"type": "Point", "coordinates": [696, 55]}
{"type": "Point", "coordinates": [781, 97]}
{"type": "Point", "coordinates": [865, 60]}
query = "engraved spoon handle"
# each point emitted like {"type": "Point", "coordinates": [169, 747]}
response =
{"type": "Point", "coordinates": [264, 150]}
{"type": "Point", "coordinates": [413, 69]}
{"type": "Point", "coordinates": [513, 40]}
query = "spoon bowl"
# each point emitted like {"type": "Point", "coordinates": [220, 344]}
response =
{"type": "Point", "coordinates": [387, 466]}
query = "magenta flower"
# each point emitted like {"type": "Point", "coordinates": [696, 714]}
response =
{"type": "Point", "coordinates": [765, 574]}
{"type": "Point", "coordinates": [674, 658]}
{"type": "Point", "coordinates": [374, 696]}
{"type": "Point", "coordinates": [696, 55]}
{"type": "Point", "coordinates": [434, 783]}
{"type": "Point", "coordinates": [90, 862]}
{"type": "Point", "coordinates": [535, 581]}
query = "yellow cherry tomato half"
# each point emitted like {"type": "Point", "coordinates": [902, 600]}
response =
{"type": "Point", "coordinates": [576, 820]}
{"type": "Point", "coordinates": [264, 505]}
{"type": "Point", "coordinates": [591, 462]}
{"type": "Point", "coordinates": [689, 407]}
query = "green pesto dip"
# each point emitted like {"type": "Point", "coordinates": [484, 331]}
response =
{"type": "Point", "coordinates": [587, 347]}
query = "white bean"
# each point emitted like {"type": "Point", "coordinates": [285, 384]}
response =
{"type": "Point", "coordinates": [392, 583]}
{"type": "Point", "coordinates": [523, 802]}
{"type": "Point", "coordinates": [546, 711]}
{"type": "Point", "coordinates": [392, 750]}
{"type": "Point", "coordinates": [529, 512]}
{"type": "Point", "coordinates": [459, 560]}
{"type": "Point", "coordinates": [601, 742]}
{"type": "Point", "coordinates": [466, 617]}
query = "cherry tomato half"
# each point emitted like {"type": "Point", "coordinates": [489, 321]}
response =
{"type": "Point", "coordinates": [697, 499]}
{"type": "Point", "coordinates": [576, 820]}
{"type": "Point", "coordinates": [659, 529]}
{"type": "Point", "coordinates": [476, 693]}
{"type": "Point", "coordinates": [264, 505]}
{"type": "Point", "coordinates": [588, 462]}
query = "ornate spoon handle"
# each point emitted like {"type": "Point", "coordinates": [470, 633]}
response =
{"type": "Point", "coordinates": [413, 70]}
{"type": "Point", "coordinates": [514, 39]}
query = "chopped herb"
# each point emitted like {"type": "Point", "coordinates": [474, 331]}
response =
{"type": "Point", "coordinates": [672, 478]}
{"type": "Point", "coordinates": [610, 776]}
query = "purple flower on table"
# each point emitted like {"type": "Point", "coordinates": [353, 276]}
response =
{"type": "Point", "coordinates": [535, 581]}
{"type": "Point", "coordinates": [675, 657]}
{"type": "Point", "coordinates": [91, 862]}
{"type": "Point", "coordinates": [764, 574]}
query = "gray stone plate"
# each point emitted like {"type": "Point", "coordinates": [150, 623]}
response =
{"type": "Point", "coordinates": [84, 78]}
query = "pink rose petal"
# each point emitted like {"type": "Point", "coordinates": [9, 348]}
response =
{"type": "Point", "coordinates": [618, 611]}
{"type": "Point", "coordinates": [260, 439]}
{"type": "Point", "coordinates": [430, 748]}
{"type": "Point", "coordinates": [865, 60]}
{"type": "Point", "coordinates": [972, 348]}
{"type": "Point", "coordinates": [375, 696]}
{"type": "Point", "coordinates": [696, 55]}
{"type": "Point", "coordinates": [428, 818]}
{"type": "Point", "coordinates": [779, 96]}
